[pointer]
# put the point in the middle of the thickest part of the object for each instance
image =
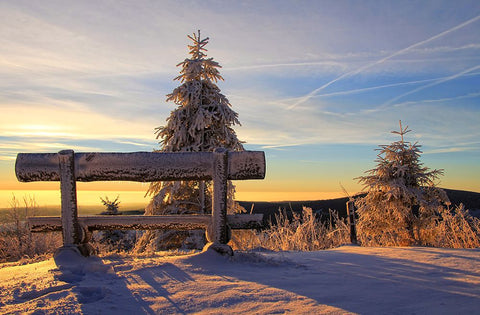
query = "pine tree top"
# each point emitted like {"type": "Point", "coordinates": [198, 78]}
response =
{"type": "Point", "coordinates": [198, 67]}
{"type": "Point", "coordinates": [402, 131]}
{"type": "Point", "coordinates": [399, 168]}
{"type": "Point", "coordinates": [198, 47]}
{"type": "Point", "coordinates": [204, 118]}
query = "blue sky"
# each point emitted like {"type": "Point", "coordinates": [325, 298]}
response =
{"type": "Point", "coordinates": [318, 85]}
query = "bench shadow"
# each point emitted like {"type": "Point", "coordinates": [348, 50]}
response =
{"type": "Point", "coordinates": [97, 286]}
{"type": "Point", "coordinates": [352, 282]}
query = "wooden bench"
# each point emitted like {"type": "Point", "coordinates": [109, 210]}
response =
{"type": "Point", "coordinates": [69, 167]}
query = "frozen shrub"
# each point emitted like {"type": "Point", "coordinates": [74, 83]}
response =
{"type": "Point", "coordinates": [114, 241]}
{"type": "Point", "coordinates": [111, 206]}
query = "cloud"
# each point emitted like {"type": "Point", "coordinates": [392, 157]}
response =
{"type": "Point", "coordinates": [436, 82]}
{"type": "Point", "coordinates": [448, 49]}
{"type": "Point", "coordinates": [90, 75]}
{"type": "Point", "coordinates": [382, 60]}
{"type": "Point", "coordinates": [266, 122]}
{"type": "Point", "coordinates": [286, 65]}
{"type": "Point", "coordinates": [68, 123]}
{"type": "Point", "coordinates": [453, 149]}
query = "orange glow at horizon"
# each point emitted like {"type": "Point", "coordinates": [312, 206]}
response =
{"type": "Point", "coordinates": [137, 198]}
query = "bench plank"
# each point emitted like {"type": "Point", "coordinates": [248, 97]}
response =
{"type": "Point", "coordinates": [143, 222]}
{"type": "Point", "coordinates": [140, 166]}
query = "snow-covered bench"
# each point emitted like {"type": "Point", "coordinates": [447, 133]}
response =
{"type": "Point", "coordinates": [69, 167]}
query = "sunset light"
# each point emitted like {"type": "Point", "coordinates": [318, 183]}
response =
{"type": "Point", "coordinates": [317, 86]}
{"type": "Point", "coordinates": [240, 157]}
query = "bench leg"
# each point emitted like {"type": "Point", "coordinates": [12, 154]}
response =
{"type": "Point", "coordinates": [71, 231]}
{"type": "Point", "coordinates": [218, 233]}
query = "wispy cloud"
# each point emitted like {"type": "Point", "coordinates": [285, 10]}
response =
{"type": "Point", "coordinates": [386, 107]}
{"type": "Point", "coordinates": [335, 64]}
{"type": "Point", "coordinates": [56, 122]}
{"type": "Point", "coordinates": [378, 87]}
{"type": "Point", "coordinates": [452, 150]}
{"type": "Point", "coordinates": [10, 148]}
{"type": "Point", "coordinates": [436, 82]}
{"type": "Point", "coordinates": [93, 75]}
{"type": "Point", "coordinates": [367, 66]}
{"type": "Point", "coordinates": [281, 146]}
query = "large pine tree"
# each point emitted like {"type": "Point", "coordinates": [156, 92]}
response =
{"type": "Point", "coordinates": [202, 121]}
{"type": "Point", "coordinates": [401, 195]}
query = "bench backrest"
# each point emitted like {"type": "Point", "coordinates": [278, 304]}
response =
{"type": "Point", "coordinates": [139, 166]}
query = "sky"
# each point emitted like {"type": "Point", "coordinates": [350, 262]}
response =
{"type": "Point", "coordinates": [318, 85]}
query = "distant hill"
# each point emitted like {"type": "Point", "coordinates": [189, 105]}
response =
{"type": "Point", "coordinates": [471, 201]}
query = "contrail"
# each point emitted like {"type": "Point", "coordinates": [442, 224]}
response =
{"type": "Point", "coordinates": [452, 77]}
{"type": "Point", "coordinates": [309, 95]}
{"type": "Point", "coordinates": [278, 65]}
{"type": "Point", "coordinates": [378, 87]}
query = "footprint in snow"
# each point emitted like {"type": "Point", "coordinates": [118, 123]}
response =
{"type": "Point", "coordinates": [87, 295]}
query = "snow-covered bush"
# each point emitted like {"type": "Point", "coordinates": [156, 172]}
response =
{"type": "Point", "coordinates": [401, 198]}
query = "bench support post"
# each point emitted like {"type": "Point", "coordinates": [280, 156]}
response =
{"type": "Point", "coordinates": [68, 190]}
{"type": "Point", "coordinates": [75, 238]}
{"type": "Point", "coordinates": [218, 234]}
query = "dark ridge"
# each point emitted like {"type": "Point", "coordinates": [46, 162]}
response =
{"type": "Point", "coordinates": [471, 201]}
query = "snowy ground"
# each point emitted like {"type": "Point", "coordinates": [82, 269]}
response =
{"type": "Point", "coordinates": [345, 280]}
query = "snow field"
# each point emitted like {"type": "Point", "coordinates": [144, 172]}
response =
{"type": "Point", "coordinates": [348, 279]}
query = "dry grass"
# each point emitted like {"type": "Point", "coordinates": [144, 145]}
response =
{"type": "Point", "coordinates": [452, 229]}
{"type": "Point", "coordinates": [16, 241]}
{"type": "Point", "coordinates": [304, 232]}
{"type": "Point", "coordinates": [447, 228]}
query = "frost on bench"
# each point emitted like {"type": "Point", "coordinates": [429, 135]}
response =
{"type": "Point", "coordinates": [69, 167]}
{"type": "Point", "coordinates": [140, 166]}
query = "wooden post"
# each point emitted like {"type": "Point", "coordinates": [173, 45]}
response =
{"type": "Point", "coordinates": [219, 210]}
{"type": "Point", "coordinates": [218, 234]}
{"type": "Point", "coordinates": [351, 221]}
{"type": "Point", "coordinates": [71, 228]}
{"type": "Point", "coordinates": [201, 188]}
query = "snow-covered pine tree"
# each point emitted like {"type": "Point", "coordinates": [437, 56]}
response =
{"type": "Point", "coordinates": [203, 121]}
{"type": "Point", "coordinates": [112, 206]}
{"type": "Point", "coordinates": [401, 196]}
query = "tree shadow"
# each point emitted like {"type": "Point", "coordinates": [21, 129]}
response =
{"type": "Point", "coordinates": [166, 272]}
{"type": "Point", "coordinates": [97, 286]}
{"type": "Point", "coordinates": [348, 281]}
{"type": "Point", "coordinates": [361, 283]}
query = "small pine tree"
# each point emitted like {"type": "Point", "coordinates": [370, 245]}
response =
{"type": "Point", "coordinates": [203, 121]}
{"type": "Point", "coordinates": [111, 206]}
{"type": "Point", "coordinates": [114, 240]}
{"type": "Point", "coordinates": [401, 196]}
